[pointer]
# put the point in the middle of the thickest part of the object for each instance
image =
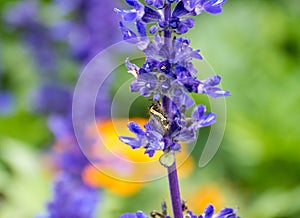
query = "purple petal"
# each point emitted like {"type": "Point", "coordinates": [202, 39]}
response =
{"type": "Point", "coordinates": [131, 2]}
{"type": "Point", "coordinates": [182, 28]}
{"type": "Point", "coordinates": [214, 6]}
{"type": "Point", "coordinates": [189, 22]}
{"type": "Point", "coordinates": [141, 27]}
{"type": "Point", "coordinates": [207, 120]}
{"type": "Point", "coordinates": [140, 214]}
{"type": "Point", "coordinates": [213, 80]}
{"type": "Point", "coordinates": [153, 29]}
{"type": "Point", "coordinates": [180, 10]}
{"type": "Point", "coordinates": [133, 142]}
{"type": "Point", "coordinates": [130, 66]}
{"type": "Point", "coordinates": [209, 211]}
{"type": "Point", "coordinates": [215, 92]}
{"type": "Point", "coordinates": [225, 211]}
{"type": "Point", "coordinates": [128, 34]}
{"type": "Point", "coordinates": [135, 86]}
{"type": "Point", "coordinates": [175, 146]}
{"type": "Point", "coordinates": [198, 111]}
{"type": "Point", "coordinates": [128, 215]}
{"type": "Point", "coordinates": [127, 15]}
{"type": "Point", "coordinates": [187, 135]}
{"type": "Point", "coordinates": [149, 2]}
{"type": "Point", "coordinates": [158, 3]}
{"type": "Point", "coordinates": [135, 128]}
{"type": "Point", "coordinates": [189, 4]}
{"type": "Point", "coordinates": [195, 54]}
{"type": "Point", "coordinates": [150, 152]}
{"type": "Point", "coordinates": [150, 15]}
{"type": "Point", "coordinates": [145, 92]}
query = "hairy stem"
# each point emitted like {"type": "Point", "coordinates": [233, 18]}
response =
{"type": "Point", "coordinates": [172, 171]}
{"type": "Point", "coordinates": [174, 191]}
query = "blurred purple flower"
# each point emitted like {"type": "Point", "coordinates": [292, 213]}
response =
{"type": "Point", "coordinates": [71, 198]}
{"type": "Point", "coordinates": [84, 32]}
{"type": "Point", "coordinates": [52, 98]}
{"type": "Point", "coordinates": [24, 17]}
{"type": "Point", "coordinates": [7, 103]}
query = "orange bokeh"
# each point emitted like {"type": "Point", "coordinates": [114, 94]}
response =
{"type": "Point", "coordinates": [121, 169]}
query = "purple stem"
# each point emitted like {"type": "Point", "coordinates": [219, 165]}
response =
{"type": "Point", "coordinates": [174, 191]}
{"type": "Point", "coordinates": [172, 171]}
{"type": "Point", "coordinates": [168, 31]}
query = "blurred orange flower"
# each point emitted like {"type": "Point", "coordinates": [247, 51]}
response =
{"type": "Point", "coordinates": [207, 194]}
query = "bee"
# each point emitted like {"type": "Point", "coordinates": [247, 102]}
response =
{"type": "Point", "coordinates": [154, 213]}
{"type": "Point", "coordinates": [184, 205]}
{"type": "Point", "coordinates": [157, 113]}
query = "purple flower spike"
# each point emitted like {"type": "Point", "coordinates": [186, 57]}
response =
{"type": "Point", "coordinates": [168, 73]}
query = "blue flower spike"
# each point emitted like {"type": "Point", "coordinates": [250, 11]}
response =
{"type": "Point", "coordinates": [168, 78]}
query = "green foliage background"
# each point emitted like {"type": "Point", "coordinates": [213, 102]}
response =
{"type": "Point", "coordinates": [255, 47]}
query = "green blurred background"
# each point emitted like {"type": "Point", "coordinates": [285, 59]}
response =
{"type": "Point", "coordinates": [255, 47]}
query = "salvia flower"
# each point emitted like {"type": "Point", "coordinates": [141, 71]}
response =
{"type": "Point", "coordinates": [168, 73]}
{"type": "Point", "coordinates": [179, 21]}
{"type": "Point", "coordinates": [168, 76]}
{"type": "Point", "coordinates": [165, 72]}
{"type": "Point", "coordinates": [164, 136]}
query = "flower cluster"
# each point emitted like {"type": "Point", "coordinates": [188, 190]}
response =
{"type": "Point", "coordinates": [84, 32]}
{"type": "Point", "coordinates": [179, 22]}
{"type": "Point", "coordinates": [24, 16]}
{"type": "Point", "coordinates": [76, 26]}
{"type": "Point", "coordinates": [168, 77]}
{"type": "Point", "coordinates": [165, 136]}
{"type": "Point", "coordinates": [168, 74]}
{"type": "Point", "coordinates": [209, 212]}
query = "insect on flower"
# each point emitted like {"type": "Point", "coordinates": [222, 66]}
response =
{"type": "Point", "coordinates": [163, 214]}
{"type": "Point", "coordinates": [184, 205]}
{"type": "Point", "coordinates": [157, 113]}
